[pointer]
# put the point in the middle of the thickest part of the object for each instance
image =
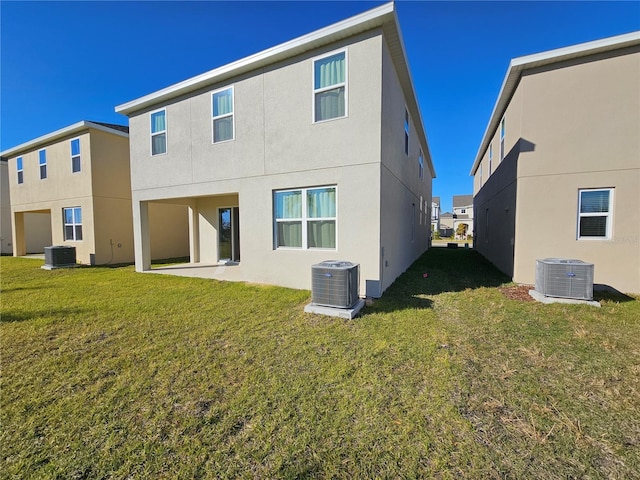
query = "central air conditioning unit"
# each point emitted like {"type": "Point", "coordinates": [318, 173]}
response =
{"type": "Point", "coordinates": [59, 256]}
{"type": "Point", "coordinates": [335, 283]}
{"type": "Point", "coordinates": [564, 278]}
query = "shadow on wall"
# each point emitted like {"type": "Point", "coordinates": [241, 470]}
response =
{"type": "Point", "coordinates": [494, 208]}
{"type": "Point", "coordinates": [439, 270]}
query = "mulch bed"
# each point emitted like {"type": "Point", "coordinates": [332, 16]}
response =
{"type": "Point", "coordinates": [518, 292]}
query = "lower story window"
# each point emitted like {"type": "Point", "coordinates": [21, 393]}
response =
{"type": "Point", "coordinates": [595, 213]}
{"type": "Point", "coordinates": [305, 218]}
{"type": "Point", "coordinates": [73, 223]}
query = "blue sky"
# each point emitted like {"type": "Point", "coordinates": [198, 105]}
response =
{"type": "Point", "coordinates": [62, 62]}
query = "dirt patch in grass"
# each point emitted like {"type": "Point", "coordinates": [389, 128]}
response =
{"type": "Point", "coordinates": [518, 292]}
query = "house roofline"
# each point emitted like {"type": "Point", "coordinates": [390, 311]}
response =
{"type": "Point", "coordinates": [63, 132]}
{"type": "Point", "coordinates": [373, 18]}
{"type": "Point", "coordinates": [518, 65]}
{"type": "Point", "coordinates": [383, 16]}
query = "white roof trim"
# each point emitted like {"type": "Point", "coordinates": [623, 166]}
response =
{"type": "Point", "coordinates": [384, 15]}
{"type": "Point", "coordinates": [359, 23]}
{"type": "Point", "coordinates": [63, 132]}
{"type": "Point", "coordinates": [519, 64]}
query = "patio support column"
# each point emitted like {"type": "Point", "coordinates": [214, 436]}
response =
{"type": "Point", "coordinates": [19, 241]}
{"type": "Point", "coordinates": [194, 234]}
{"type": "Point", "coordinates": [141, 237]}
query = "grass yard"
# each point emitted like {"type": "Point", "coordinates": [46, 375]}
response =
{"type": "Point", "coordinates": [111, 374]}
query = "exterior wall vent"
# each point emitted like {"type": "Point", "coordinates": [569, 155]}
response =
{"type": "Point", "coordinates": [335, 283]}
{"type": "Point", "coordinates": [564, 278]}
{"type": "Point", "coordinates": [59, 256]}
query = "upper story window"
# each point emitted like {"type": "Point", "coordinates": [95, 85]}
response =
{"type": "Point", "coordinates": [159, 132]}
{"type": "Point", "coordinates": [43, 163]}
{"type": "Point", "coordinates": [406, 132]}
{"type": "Point", "coordinates": [502, 130]}
{"type": "Point", "coordinates": [222, 113]}
{"type": "Point", "coordinates": [20, 170]}
{"type": "Point", "coordinates": [421, 166]}
{"type": "Point", "coordinates": [480, 172]}
{"type": "Point", "coordinates": [75, 155]}
{"type": "Point", "coordinates": [490, 157]}
{"type": "Point", "coordinates": [330, 86]}
{"type": "Point", "coordinates": [595, 213]}
{"type": "Point", "coordinates": [305, 218]}
{"type": "Point", "coordinates": [73, 223]}
{"type": "Point", "coordinates": [463, 210]}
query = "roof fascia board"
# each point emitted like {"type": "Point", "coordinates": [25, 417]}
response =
{"type": "Point", "coordinates": [63, 132]}
{"type": "Point", "coordinates": [520, 64]}
{"type": "Point", "coordinates": [371, 18]}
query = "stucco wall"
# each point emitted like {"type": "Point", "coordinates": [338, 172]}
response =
{"type": "Point", "coordinates": [580, 128]}
{"type": "Point", "coordinates": [274, 132]}
{"type": "Point", "coordinates": [38, 235]}
{"type": "Point", "coordinates": [61, 189]}
{"type": "Point", "coordinates": [6, 236]}
{"type": "Point", "coordinates": [494, 215]}
{"type": "Point", "coordinates": [584, 119]}
{"type": "Point", "coordinates": [60, 181]}
{"type": "Point", "coordinates": [405, 233]}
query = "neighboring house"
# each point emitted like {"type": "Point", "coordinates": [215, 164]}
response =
{"type": "Point", "coordinates": [6, 238]}
{"type": "Point", "coordinates": [446, 224]}
{"type": "Point", "coordinates": [309, 151]}
{"type": "Point", "coordinates": [463, 215]}
{"type": "Point", "coordinates": [557, 174]}
{"type": "Point", "coordinates": [435, 214]}
{"type": "Point", "coordinates": [72, 187]}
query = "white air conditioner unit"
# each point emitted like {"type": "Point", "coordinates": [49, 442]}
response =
{"type": "Point", "coordinates": [564, 278]}
{"type": "Point", "coordinates": [335, 283]}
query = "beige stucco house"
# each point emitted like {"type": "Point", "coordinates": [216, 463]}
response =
{"type": "Point", "coordinates": [311, 150]}
{"type": "Point", "coordinates": [72, 187]}
{"type": "Point", "coordinates": [557, 173]}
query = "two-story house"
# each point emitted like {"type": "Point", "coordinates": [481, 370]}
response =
{"type": "Point", "coordinates": [308, 151]}
{"type": "Point", "coordinates": [557, 174]}
{"type": "Point", "coordinates": [435, 215]}
{"type": "Point", "coordinates": [72, 187]}
{"type": "Point", "coordinates": [462, 215]}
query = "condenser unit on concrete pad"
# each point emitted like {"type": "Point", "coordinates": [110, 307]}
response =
{"type": "Point", "coordinates": [59, 256]}
{"type": "Point", "coordinates": [564, 278]}
{"type": "Point", "coordinates": [335, 283]}
{"type": "Point", "coordinates": [335, 287]}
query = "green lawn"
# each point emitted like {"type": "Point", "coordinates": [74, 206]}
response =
{"type": "Point", "coordinates": [111, 374]}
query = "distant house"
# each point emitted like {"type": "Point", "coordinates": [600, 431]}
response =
{"type": "Point", "coordinates": [435, 215]}
{"type": "Point", "coordinates": [446, 224]}
{"type": "Point", "coordinates": [463, 215]}
{"type": "Point", "coordinates": [308, 151]}
{"type": "Point", "coordinates": [557, 174]}
{"type": "Point", "coordinates": [72, 187]}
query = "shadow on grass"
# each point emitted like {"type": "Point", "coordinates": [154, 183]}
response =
{"type": "Point", "coordinates": [439, 270]}
{"type": "Point", "coordinates": [13, 317]}
{"type": "Point", "coordinates": [607, 293]}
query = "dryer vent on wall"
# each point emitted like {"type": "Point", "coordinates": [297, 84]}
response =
{"type": "Point", "coordinates": [564, 278]}
{"type": "Point", "coordinates": [335, 283]}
